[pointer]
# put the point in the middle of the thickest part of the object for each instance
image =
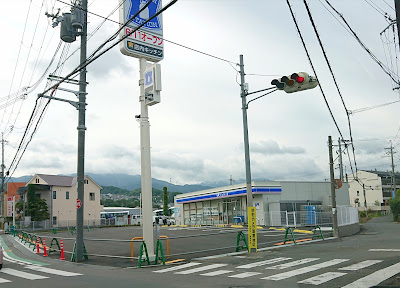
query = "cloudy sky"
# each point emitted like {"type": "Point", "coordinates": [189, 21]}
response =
{"type": "Point", "coordinates": [197, 130]}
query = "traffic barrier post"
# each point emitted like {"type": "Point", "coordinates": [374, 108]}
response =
{"type": "Point", "coordinates": [62, 250]}
{"type": "Point", "coordinates": [44, 248]}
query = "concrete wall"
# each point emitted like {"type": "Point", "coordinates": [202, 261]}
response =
{"type": "Point", "coordinates": [349, 230]}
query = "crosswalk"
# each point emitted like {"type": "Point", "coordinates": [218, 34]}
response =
{"type": "Point", "coordinates": [283, 268]}
{"type": "Point", "coordinates": [20, 269]}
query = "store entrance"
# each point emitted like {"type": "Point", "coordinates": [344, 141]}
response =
{"type": "Point", "coordinates": [232, 210]}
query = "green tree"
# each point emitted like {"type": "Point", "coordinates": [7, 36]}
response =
{"type": "Point", "coordinates": [165, 202]}
{"type": "Point", "coordinates": [394, 204]}
{"type": "Point", "coordinates": [36, 207]}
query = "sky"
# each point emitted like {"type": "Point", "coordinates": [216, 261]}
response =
{"type": "Point", "coordinates": [197, 129]}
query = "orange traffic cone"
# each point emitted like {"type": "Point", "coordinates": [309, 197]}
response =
{"type": "Point", "coordinates": [44, 248]}
{"type": "Point", "coordinates": [62, 250]}
{"type": "Point", "coordinates": [37, 246]}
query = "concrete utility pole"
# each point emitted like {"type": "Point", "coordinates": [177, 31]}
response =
{"type": "Point", "coordinates": [147, 193]}
{"type": "Point", "coordinates": [397, 7]}
{"type": "Point", "coordinates": [2, 178]}
{"type": "Point", "coordinates": [393, 184]}
{"type": "Point", "coordinates": [246, 136]}
{"type": "Point", "coordinates": [365, 200]}
{"type": "Point", "coordinates": [333, 192]}
{"type": "Point", "coordinates": [81, 140]}
{"type": "Point", "coordinates": [340, 160]}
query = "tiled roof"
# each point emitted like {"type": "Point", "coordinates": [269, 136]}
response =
{"type": "Point", "coordinates": [56, 180]}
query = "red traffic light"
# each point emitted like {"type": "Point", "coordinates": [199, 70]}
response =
{"type": "Point", "coordinates": [297, 78]}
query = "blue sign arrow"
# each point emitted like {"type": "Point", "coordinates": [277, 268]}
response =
{"type": "Point", "coordinates": [136, 5]}
{"type": "Point", "coordinates": [148, 78]}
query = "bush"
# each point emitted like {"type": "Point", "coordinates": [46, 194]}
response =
{"type": "Point", "coordinates": [362, 214]}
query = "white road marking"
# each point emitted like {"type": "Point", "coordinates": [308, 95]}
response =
{"type": "Point", "coordinates": [305, 270]}
{"type": "Point", "coordinates": [245, 275]}
{"type": "Point", "coordinates": [375, 278]}
{"type": "Point", "coordinates": [384, 250]}
{"type": "Point", "coordinates": [261, 263]}
{"type": "Point", "coordinates": [52, 271]}
{"type": "Point", "coordinates": [215, 273]}
{"type": "Point", "coordinates": [195, 270]}
{"type": "Point", "coordinates": [22, 274]}
{"type": "Point", "coordinates": [4, 280]}
{"type": "Point", "coordinates": [183, 266]}
{"type": "Point", "coordinates": [317, 280]}
{"type": "Point", "coordinates": [294, 263]}
{"type": "Point", "coordinates": [360, 265]}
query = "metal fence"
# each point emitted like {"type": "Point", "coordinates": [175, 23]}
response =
{"type": "Point", "coordinates": [346, 216]}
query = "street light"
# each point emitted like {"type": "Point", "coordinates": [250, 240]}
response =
{"type": "Point", "coordinates": [294, 83]}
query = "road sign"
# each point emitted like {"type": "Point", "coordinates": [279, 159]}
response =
{"type": "Point", "coordinates": [152, 84]}
{"type": "Point", "coordinates": [78, 203]}
{"type": "Point", "coordinates": [9, 206]}
{"type": "Point", "coordinates": [147, 42]}
{"type": "Point", "coordinates": [252, 228]}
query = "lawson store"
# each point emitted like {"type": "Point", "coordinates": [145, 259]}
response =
{"type": "Point", "coordinates": [228, 205]}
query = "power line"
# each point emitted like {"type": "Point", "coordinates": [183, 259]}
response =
{"type": "Point", "coordinates": [385, 69]}
{"type": "Point", "coordinates": [312, 66]}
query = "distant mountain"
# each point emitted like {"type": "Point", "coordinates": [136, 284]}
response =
{"type": "Point", "coordinates": [130, 182]}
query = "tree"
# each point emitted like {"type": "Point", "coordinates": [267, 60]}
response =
{"type": "Point", "coordinates": [394, 204]}
{"type": "Point", "coordinates": [36, 207]}
{"type": "Point", "coordinates": [165, 202]}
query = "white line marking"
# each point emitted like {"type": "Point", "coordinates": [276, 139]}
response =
{"type": "Point", "coordinates": [360, 265]}
{"type": "Point", "coordinates": [384, 250]}
{"type": "Point", "coordinates": [294, 263]}
{"type": "Point", "coordinates": [305, 270]}
{"type": "Point", "coordinates": [194, 270]}
{"type": "Point", "coordinates": [190, 264]}
{"type": "Point", "coordinates": [4, 280]}
{"type": "Point", "coordinates": [375, 278]}
{"type": "Point", "coordinates": [322, 278]}
{"type": "Point", "coordinates": [22, 274]}
{"type": "Point", "coordinates": [265, 262]}
{"type": "Point", "coordinates": [215, 273]}
{"type": "Point", "coordinates": [244, 275]}
{"type": "Point", "coordinates": [52, 271]}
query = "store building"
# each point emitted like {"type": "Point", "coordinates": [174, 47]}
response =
{"type": "Point", "coordinates": [228, 205]}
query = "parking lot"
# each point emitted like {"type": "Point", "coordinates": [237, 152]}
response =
{"type": "Point", "coordinates": [112, 246]}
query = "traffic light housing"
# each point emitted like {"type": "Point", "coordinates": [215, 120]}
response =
{"type": "Point", "coordinates": [295, 82]}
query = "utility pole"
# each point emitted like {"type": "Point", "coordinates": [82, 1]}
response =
{"type": "Point", "coordinates": [333, 192]}
{"type": "Point", "coordinates": [365, 200]}
{"type": "Point", "coordinates": [340, 160]}
{"type": "Point", "coordinates": [393, 184]}
{"type": "Point", "coordinates": [397, 7]}
{"type": "Point", "coordinates": [81, 138]}
{"type": "Point", "coordinates": [2, 178]}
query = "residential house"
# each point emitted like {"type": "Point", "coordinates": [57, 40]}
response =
{"type": "Point", "coordinates": [60, 194]}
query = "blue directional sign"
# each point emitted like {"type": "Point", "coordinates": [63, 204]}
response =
{"type": "Point", "coordinates": [148, 78]}
{"type": "Point", "coordinates": [134, 6]}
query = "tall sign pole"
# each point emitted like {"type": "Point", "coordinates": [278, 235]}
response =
{"type": "Point", "coordinates": [147, 45]}
{"type": "Point", "coordinates": [81, 141]}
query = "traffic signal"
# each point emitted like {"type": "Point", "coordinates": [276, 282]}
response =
{"type": "Point", "coordinates": [295, 82]}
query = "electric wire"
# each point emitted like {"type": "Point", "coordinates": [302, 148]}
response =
{"type": "Point", "coordinates": [385, 69]}
{"type": "Point", "coordinates": [312, 66]}
{"type": "Point", "coordinates": [334, 79]}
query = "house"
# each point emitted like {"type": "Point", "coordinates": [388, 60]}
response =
{"type": "Point", "coordinates": [60, 194]}
{"type": "Point", "coordinates": [371, 189]}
